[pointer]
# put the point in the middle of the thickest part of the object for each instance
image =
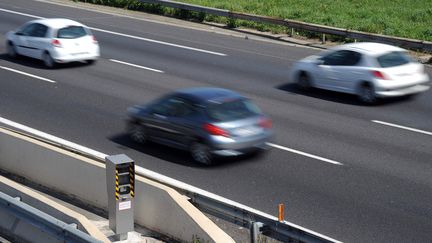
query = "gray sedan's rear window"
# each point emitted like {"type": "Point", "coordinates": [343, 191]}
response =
{"type": "Point", "coordinates": [71, 32]}
{"type": "Point", "coordinates": [232, 110]}
{"type": "Point", "coordinates": [394, 59]}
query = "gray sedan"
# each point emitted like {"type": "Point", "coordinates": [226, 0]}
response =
{"type": "Point", "coordinates": [208, 122]}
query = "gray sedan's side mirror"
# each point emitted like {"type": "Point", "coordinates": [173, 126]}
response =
{"type": "Point", "coordinates": [319, 62]}
{"type": "Point", "coordinates": [19, 33]}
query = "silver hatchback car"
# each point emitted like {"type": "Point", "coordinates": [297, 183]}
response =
{"type": "Point", "coordinates": [208, 122]}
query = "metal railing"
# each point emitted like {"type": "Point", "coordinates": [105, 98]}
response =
{"type": "Point", "coordinates": [208, 202]}
{"type": "Point", "coordinates": [358, 35]}
{"type": "Point", "coordinates": [57, 229]}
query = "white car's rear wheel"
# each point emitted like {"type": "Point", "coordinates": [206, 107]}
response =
{"type": "Point", "coordinates": [11, 51]}
{"type": "Point", "coordinates": [48, 60]}
{"type": "Point", "coordinates": [367, 94]}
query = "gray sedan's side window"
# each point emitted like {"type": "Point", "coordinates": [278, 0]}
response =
{"type": "Point", "coordinates": [162, 107]}
{"type": "Point", "coordinates": [173, 106]}
{"type": "Point", "coordinates": [181, 107]}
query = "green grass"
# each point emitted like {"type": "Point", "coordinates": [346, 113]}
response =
{"type": "Point", "coordinates": [403, 18]}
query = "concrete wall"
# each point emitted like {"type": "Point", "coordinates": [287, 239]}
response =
{"type": "Point", "coordinates": [44, 204]}
{"type": "Point", "coordinates": [157, 207]}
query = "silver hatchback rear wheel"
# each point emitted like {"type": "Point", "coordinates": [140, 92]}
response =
{"type": "Point", "coordinates": [201, 153]}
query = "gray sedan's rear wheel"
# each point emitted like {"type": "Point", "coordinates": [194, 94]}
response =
{"type": "Point", "coordinates": [138, 133]}
{"type": "Point", "coordinates": [201, 153]}
{"type": "Point", "coordinates": [11, 51]}
{"type": "Point", "coordinates": [367, 94]}
{"type": "Point", "coordinates": [304, 81]}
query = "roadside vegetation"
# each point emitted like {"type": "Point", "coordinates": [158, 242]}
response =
{"type": "Point", "coordinates": [403, 18]}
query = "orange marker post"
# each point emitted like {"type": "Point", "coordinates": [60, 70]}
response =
{"type": "Point", "coordinates": [281, 212]}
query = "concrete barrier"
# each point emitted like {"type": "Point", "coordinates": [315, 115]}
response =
{"type": "Point", "coordinates": [23, 231]}
{"type": "Point", "coordinates": [157, 207]}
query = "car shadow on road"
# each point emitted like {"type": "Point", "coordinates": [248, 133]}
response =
{"type": "Point", "coordinates": [178, 156]}
{"type": "Point", "coordinates": [35, 63]}
{"type": "Point", "coordinates": [338, 97]}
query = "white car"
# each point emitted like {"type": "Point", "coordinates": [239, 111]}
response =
{"type": "Point", "coordinates": [369, 70]}
{"type": "Point", "coordinates": [53, 41]}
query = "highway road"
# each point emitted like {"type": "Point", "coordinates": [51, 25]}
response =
{"type": "Point", "coordinates": [352, 172]}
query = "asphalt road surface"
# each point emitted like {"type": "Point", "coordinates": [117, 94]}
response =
{"type": "Point", "coordinates": [352, 172]}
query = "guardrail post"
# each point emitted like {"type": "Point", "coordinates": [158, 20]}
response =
{"type": "Point", "coordinates": [255, 229]}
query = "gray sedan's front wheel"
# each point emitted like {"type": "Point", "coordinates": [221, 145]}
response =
{"type": "Point", "coordinates": [137, 133]}
{"type": "Point", "coordinates": [201, 153]}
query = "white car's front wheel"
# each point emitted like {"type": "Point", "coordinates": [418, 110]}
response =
{"type": "Point", "coordinates": [11, 51]}
{"type": "Point", "coordinates": [48, 60]}
{"type": "Point", "coordinates": [303, 81]}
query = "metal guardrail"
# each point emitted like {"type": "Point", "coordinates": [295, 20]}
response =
{"type": "Point", "coordinates": [364, 36]}
{"type": "Point", "coordinates": [46, 223]}
{"type": "Point", "coordinates": [237, 213]}
{"type": "Point", "coordinates": [206, 201]}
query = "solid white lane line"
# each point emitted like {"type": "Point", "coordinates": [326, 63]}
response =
{"type": "Point", "coordinates": [137, 66]}
{"type": "Point", "coordinates": [28, 74]}
{"type": "Point", "coordinates": [130, 36]}
{"type": "Point", "coordinates": [403, 127]}
{"type": "Point", "coordinates": [159, 42]}
{"type": "Point", "coordinates": [304, 154]}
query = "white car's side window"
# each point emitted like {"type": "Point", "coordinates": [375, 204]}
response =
{"type": "Point", "coordinates": [27, 30]}
{"type": "Point", "coordinates": [342, 58]}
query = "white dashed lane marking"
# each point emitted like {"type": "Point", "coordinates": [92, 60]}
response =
{"type": "Point", "coordinates": [137, 66]}
{"type": "Point", "coordinates": [403, 127]}
{"type": "Point", "coordinates": [28, 74]}
{"type": "Point", "coordinates": [304, 154]}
